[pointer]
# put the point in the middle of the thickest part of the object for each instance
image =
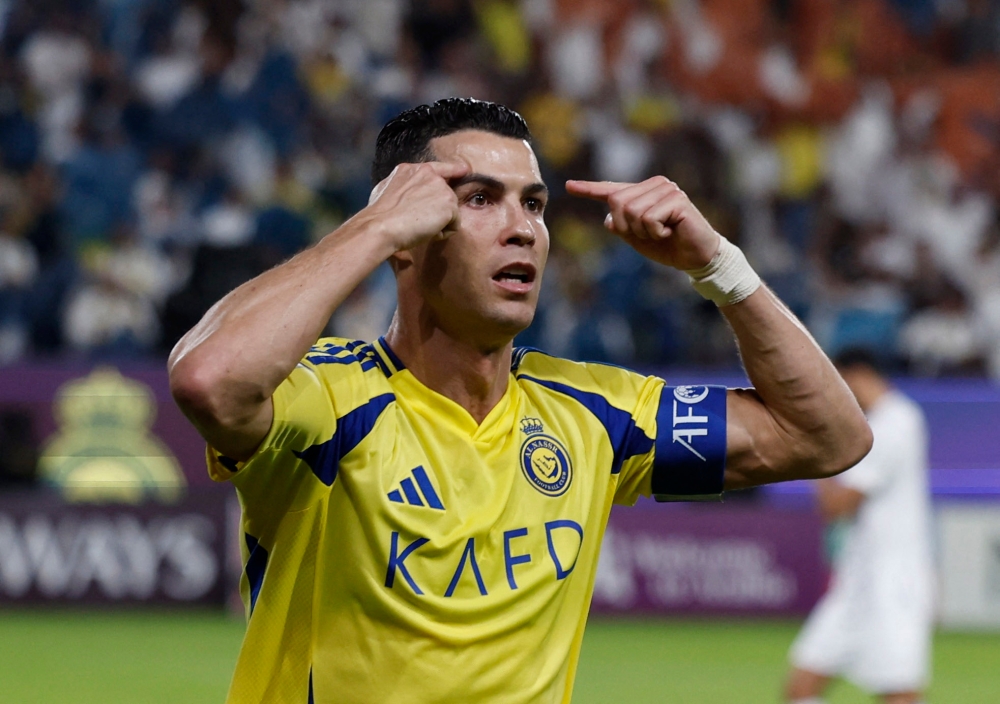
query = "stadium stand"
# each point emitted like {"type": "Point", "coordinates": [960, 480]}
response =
{"type": "Point", "coordinates": [154, 154]}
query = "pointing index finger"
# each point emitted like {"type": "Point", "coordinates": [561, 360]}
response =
{"type": "Point", "coordinates": [596, 190]}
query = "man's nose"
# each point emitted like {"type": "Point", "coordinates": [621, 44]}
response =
{"type": "Point", "coordinates": [519, 228]}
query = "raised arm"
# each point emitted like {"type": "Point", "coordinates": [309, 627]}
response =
{"type": "Point", "coordinates": [800, 421]}
{"type": "Point", "coordinates": [224, 370]}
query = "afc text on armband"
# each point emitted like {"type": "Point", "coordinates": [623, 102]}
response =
{"type": "Point", "coordinates": [514, 555]}
{"type": "Point", "coordinates": [684, 435]}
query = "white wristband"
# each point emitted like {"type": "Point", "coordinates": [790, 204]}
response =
{"type": "Point", "coordinates": [728, 278]}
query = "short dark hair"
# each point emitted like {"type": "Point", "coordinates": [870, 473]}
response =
{"type": "Point", "coordinates": [406, 138]}
{"type": "Point", "coordinates": [857, 357]}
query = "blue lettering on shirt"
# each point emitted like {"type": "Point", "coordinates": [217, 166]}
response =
{"type": "Point", "coordinates": [470, 556]}
{"type": "Point", "coordinates": [564, 563]}
{"type": "Point", "coordinates": [397, 561]}
{"type": "Point", "coordinates": [510, 560]}
{"type": "Point", "coordinates": [562, 572]}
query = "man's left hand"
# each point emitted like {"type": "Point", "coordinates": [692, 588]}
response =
{"type": "Point", "coordinates": [656, 218]}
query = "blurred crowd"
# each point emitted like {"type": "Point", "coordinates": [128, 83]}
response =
{"type": "Point", "coordinates": [154, 154]}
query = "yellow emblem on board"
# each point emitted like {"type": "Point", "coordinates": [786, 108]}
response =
{"type": "Point", "coordinates": [103, 450]}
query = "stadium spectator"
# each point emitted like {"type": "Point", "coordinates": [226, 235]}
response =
{"type": "Point", "coordinates": [874, 625]}
{"type": "Point", "coordinates": [943, 338]}
{"type": "Point", "coordinates": [18, 272]}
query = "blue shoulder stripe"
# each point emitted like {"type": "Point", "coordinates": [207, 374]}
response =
{"type": "Point", "coordinates": [627, 439]}
{"type": "Point", "coordinates": [396, 362]}
{"type": "Point", "coordinates": [517, 356]}
{"type": "Point", "coordinates": [329, 353]}
{"type": "Point", "coordinates": [255, 568]}
{"type": "Point", "coordinates": [352, 428]}
{"type": "Point", "coordinates": [370, 352]}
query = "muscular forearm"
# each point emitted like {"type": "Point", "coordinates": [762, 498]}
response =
{"type": "Point", "coordinates": [224, 370]}
{"type": "Point", "coordinates": [801, 420]}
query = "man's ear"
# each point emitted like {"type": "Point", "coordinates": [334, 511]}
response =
{"type": "Point", "coordinates": [401, 259]}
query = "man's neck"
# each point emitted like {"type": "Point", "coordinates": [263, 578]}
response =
{"type": "Point", "coordinates": [474, 379]}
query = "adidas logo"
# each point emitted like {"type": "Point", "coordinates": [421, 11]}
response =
{"type": "Point", "coordinates": [410, 493]}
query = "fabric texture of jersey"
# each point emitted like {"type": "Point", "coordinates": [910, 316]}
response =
{"type": "Point", "coordinates": [874, 624]}
{"type": "Point", "coordinates": [396, 551]}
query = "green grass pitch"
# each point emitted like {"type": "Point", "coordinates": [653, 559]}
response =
{"type": "Point", "coordinates": [141, 657]}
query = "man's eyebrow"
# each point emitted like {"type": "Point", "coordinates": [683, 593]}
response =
{"type": "Point", "coordinates": [535, 189]}
{"type": "Point", "coordinates": [482, 179]}
{"type": "Point", "coordinates": [532, 189]}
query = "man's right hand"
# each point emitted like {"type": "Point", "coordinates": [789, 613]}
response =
{"type": "Point", "coordinates": [225, 369]}
{"type": "Point", "coordinates": [415, 203]}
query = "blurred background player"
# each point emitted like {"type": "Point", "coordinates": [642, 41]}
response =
{"type": "Point", "coordinates": [873, 627]}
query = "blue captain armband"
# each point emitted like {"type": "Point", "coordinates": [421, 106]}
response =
{"type": "Point", "coordinates": [690, 444]}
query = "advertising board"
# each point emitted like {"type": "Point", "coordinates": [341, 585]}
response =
{"type": "Point", "coordinates": [54, 553]}
{"type": "Point", "coordinates": [710, 560]}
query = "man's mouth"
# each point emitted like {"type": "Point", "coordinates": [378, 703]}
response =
{"type": "Point", "coordinates": [517, 278]}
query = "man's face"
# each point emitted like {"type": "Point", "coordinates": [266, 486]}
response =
{"type": "Point", "coordinates": [482, 282]}
{"type": "Point", "coordinates": [859, 381]}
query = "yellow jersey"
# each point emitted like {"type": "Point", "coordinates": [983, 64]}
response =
{"type": "Point", "coordinates": [397, 551]}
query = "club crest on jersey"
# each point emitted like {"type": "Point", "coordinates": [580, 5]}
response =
{"type": "Point", "coordinates": [546, 464]}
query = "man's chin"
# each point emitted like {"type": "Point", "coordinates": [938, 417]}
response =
{"type": "Point", "coordinates": [489, 325]}
{"type": "Point", "coordinates": [505, 323]}
{"type": "Point", "coordinates": [514, 318]}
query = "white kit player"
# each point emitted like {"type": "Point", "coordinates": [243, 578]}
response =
{"type": "Point", "coordinates": [873, 627]}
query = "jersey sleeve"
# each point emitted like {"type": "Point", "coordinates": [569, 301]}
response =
{"type": "Point", "coordinates": [321, 411]}
{"type": "Point", "coordinates": [667, 442]}
{"type": "Point", "coordinates": [635, 476]}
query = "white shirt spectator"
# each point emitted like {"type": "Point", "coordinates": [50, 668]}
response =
{"type": "Point", "coordinates": [56, 63]}
{"type": "Point", "coordinates": [576, 61]}
{"type": "Point", "coordinates": [99, 314]}
{"type": "Point", "coordinates": [858, 152]}
{"type": "Point", "coordinates": [780, 76]}
{"type": "Point", "coordinates": [163, 80]}
{"type": "Point", "coordinates": [228, 224]}
{"type": "Point", "coordinates": [18, 262]}
{"type": "Point", "coordinates": [940, 338]}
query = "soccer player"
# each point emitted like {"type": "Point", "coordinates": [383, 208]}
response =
{"type": "Point", "coordinates": [422, 513]}
{"type": "Point", "coordinates": [874, 624]}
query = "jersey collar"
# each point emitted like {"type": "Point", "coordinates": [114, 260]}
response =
{"type": "Point", "coordinates": [441, 410]}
